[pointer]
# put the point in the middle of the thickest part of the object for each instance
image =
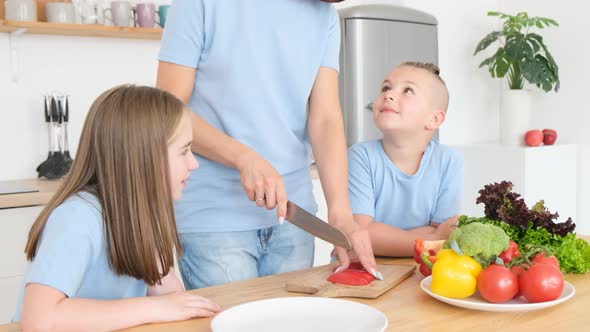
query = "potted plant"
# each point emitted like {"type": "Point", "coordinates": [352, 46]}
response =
{"type": "Point", "coordinates": [521, 56]}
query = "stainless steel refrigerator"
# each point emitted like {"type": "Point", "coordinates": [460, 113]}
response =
{"type": "Point", "coordinates": [375, 39]}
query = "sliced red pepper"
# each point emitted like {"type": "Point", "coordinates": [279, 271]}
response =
{"type": "Point", "coordinates": [354, 275]}
{"type": "Point", "coordinates": [425, 254]}
{"type": "Point", "coordinates": [510, 253]}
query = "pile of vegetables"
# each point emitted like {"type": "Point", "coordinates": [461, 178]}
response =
{"type": "Point", "coordinates": [479, 257]}
{"type": "Point", "coordinates": [513, 251]}
{"type": "Point", "coordinates": [536, 226]}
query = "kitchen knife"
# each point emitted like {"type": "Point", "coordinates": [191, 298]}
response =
{"type": "Point", "coordinates": [316, 226]}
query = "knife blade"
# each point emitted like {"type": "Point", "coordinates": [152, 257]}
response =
{"type": "Point", "coordinates": [316, 226]}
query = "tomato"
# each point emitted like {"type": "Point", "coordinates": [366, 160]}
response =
{"type": "Point", "coordinates": [510, 253]}
{"type": "Point", "coordinates": [496, 284]}
{"type": "Point", "coordinates": [541, 283]}
{"type": "Point", "coordinates": [540, 258]}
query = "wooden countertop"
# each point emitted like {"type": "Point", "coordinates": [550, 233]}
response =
{"type": "Point", "coordinates": [46, 190]}
{"type": "Point", "coordinates": [406, 306]}
{"type": "Point", "coordinates": [48, 187]}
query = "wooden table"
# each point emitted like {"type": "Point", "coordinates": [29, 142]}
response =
{"type": "Point", "coordinates": [407, 307]}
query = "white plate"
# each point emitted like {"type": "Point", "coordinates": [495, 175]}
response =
{"type": "Point", "coordinates": [288, 314]}
{"type": "Point", "coordinates": [476, 302]}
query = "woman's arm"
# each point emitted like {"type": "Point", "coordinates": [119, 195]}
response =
{"type": "Point", "coordinates": [394, 242]}
{"type": "Point", "coordinates": [47, 309]}
{"type": "Point", "coordinates": [326, 131]}
{"type": "Point", "coordinates": [258, 177]}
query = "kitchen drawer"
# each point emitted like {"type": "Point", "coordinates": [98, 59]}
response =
{"type": "Point", "coordinates": [9, 291]}
{"type": "Point", "coordinates": [15, 224]}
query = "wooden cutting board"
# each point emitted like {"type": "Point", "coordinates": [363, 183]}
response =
{"type": "Point", "coordinates": [314, 282]}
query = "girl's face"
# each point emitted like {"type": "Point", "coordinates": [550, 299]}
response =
{"type": "Point", "coordinates": [181, 161]}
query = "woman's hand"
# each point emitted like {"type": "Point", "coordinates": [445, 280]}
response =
{"type": "Point", "coordinates": [262, 183]}
{"type": "Point", "coordinates": [182, 306]}
{"type": "Point", "coordinates": [361, 245]}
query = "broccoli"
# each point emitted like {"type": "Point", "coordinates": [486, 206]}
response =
{"type": "Point", "coordinates": [483, 242]}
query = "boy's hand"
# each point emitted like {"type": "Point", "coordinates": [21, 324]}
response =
{"type": "Point", "coordinates": [444, 229]}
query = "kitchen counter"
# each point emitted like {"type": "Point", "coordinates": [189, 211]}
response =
{"type": "Point", "coordinates": [46, 190]}
{"type": "Point", "coordinates": [48, 187]}
{"type": "Point", "coordinates": [407, 307]}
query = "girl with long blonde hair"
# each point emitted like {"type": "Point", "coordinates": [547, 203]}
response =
{"type": "Point", "coordinates": [107, 238]}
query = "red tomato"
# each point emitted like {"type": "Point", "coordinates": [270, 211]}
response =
{"type": "Point", "coordinates": [541, 283]}
{"type": "Point", "coordinates": [510, 253]}
{"type": "Point", "coordinates": [496, 284]}
{"type": "Point", "coordinates": [540, 258]}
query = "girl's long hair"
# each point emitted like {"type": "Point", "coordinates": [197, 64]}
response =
{"type": "Point", "coordinates": [122, 160]}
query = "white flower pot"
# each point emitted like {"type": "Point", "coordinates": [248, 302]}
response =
{"type": "Point", "coordinates": [515, 116]}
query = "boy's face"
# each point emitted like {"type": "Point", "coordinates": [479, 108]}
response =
{"type": "Point", "coordinates": [408, 101]}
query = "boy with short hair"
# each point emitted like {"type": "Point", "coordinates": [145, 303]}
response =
{"type": "Point", "coordinates": [406, 186]}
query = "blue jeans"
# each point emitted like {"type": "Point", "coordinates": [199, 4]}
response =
{"type": "Point", "coordinates": [211, 259]}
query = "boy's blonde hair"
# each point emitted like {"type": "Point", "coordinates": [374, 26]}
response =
{"type": "Point", "coordinates": [122, 159]}
{"type": "Point", "coordinates": [435, 70]}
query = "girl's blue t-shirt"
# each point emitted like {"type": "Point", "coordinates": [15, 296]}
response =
{"type": "Point", "coordinates": [256, 63]}
{"type": "Point", "coordinates": [72, 256]}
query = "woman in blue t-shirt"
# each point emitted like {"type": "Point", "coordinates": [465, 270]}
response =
{"type": "Point", "coordinates": [107, 237]}
{"type": "Point", "coordinates": [262, 79]}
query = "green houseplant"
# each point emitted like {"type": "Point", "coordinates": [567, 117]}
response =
{"type": "Point", "coordinates": [522, 54]}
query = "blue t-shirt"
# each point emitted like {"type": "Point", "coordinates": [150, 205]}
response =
{"type": "Point", "coordinates": [379, 189]}
{"type": "Point", "coordinates": [72, 256]}
{"type": "Point", "coordinates": [256, 63]}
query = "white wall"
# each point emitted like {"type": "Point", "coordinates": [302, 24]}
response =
{"type": "Point", "coordinates": [81, 67]}
{"type": "Point", "coordinates": [84, 67]}
{"type": "Point", "coordinates": [566, 110]}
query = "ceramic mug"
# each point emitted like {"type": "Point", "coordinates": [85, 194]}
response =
{"type": "Point", "coordinates": [21, 10]}
{"type": "Point", "coordinates": [120, 12]}
{"type": "Point", "coordinates": [87, 12]}
{"type": "Point", "coordinates": [163, 14]}
{"type": "Point", "coordinates": [60, 12]}
{"type": "Point", "coordinates": [145, 15]}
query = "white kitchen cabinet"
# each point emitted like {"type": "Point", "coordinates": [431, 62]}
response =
{"type": "Point", "coordinates": [9, 291]}
{"type": "Point", "coordinates": [322, 248]}
{"type": "Point", "coordinates": [15, 225]}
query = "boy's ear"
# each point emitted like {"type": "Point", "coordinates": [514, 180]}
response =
{"type": "Point", "coordinates": [436, 120]}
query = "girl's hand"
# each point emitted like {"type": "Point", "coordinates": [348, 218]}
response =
{"type": "Point", "coordinates": [182, 306]}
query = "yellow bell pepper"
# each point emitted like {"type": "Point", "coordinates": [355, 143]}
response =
{"type": "Point", "coordinates": [454, 275]}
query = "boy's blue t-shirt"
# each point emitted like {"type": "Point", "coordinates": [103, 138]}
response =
{"type": "Point", "coordinates": [256, 63]}
{"type": "Point", "coordinates": [379, 189]}
{"type": "Point", "coordinates": [72, 256]}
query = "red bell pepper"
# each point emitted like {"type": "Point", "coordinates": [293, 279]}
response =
{"type": "Point", "coordinates": [425, 254]}
{"type": "Point", "coordinates": [510, 253]}
{"type": "Point", "coordinates": [354, 275]}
